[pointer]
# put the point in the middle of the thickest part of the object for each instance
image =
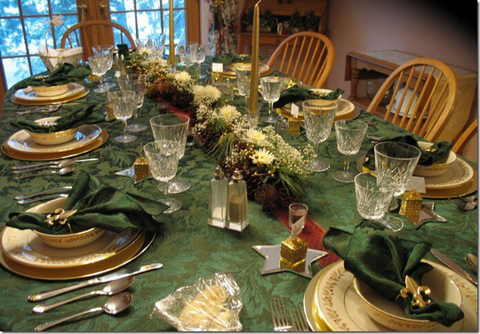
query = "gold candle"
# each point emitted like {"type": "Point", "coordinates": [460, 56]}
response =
{"type": "Point", "coordinates": [255, 52]}
{"type": "Point", "coordinates": [172, 34]}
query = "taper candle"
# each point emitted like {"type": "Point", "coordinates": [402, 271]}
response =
{"type": "Point", "coordinates": [255, 59]}
{"type": "Point", "coordinates": [172, 34]}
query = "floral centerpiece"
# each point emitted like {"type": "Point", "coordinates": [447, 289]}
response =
{"type": "Point", "coordinates": [155, 67]}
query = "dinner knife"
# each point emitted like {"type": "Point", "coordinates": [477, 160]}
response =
{"type": "Point", "coordinates": [54, 162]}
{"type": "Point", "coordinates": [108, 278]}
{"type": "Point", "coordinates": [452, 265]}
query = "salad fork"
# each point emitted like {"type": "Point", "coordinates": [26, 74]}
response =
{"type": "Point", "coordinates": [279, 315]}
{"type": "Point", "coordinates": [299, 321]}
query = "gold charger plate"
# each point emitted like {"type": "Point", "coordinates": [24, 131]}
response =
{"type": "Point", "coordinates": [120, 259]}
{"type": "Point", "coordinates": [466, 189]}
{"type": "Point", "coordinates": [14, 99]}
{"type": "Point", "coordinates": [14, 154]}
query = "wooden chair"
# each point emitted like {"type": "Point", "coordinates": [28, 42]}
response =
{"type": "Point", "coordinates": [422, 107]}
{"type": "Point", "coordinates": [465, 137]}
{"type": "Point", "coordinates": [306, 56]}
{"type": "Point", "coordinates": [96, 32]}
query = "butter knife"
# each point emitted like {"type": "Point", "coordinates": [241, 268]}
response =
{"type": "Point", "coordinates": [107, 278]}
{"type": "Point", "coordinates": [452, 265]}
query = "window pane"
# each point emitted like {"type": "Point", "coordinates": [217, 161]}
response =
{"type": "Point", "coordinates": [11, 38]}
{"type": "Point", "coordinates": [128, 21]}
{"type": "Point", "coordinates": [9, 8]}
{"type": "Point", "coordinates": [36, 28]}
{"type": "Point", "coordinates": [16, 69]}
{"type": "Point", "coordinates": [68, 20]}
{"type": "Point", "coordinates": [148, 24]}
{"type": "Point", "coordinates": [63, 6]}
{"type": "Point", "coordinates": [176, 4]}
{"type": "Point", "coordinates": [148, 4]}
{"type": "Point", "coordinates": [179, 26]}
{"type": "Point", "coordinates": [37, 65]}
{"type": "Point", "coordinates": [120, 5]}
{"type": "Point", "coordinates": [33, 7]}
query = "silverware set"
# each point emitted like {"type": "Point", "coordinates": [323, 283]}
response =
{"type": "Point", "coordinates": [283, 321]}
{"type": "Point", "coordinates": [59, 167]}
{"type": "Point", "coordinates": [468, 202]}
{"type": "Point", "coordinates": [46, 109]}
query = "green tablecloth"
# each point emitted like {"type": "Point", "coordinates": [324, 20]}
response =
{"type": "Point", "coordinates": [189, 248]}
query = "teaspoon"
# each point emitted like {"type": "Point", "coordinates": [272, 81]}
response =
{"type": "Point", "coordinates": [62, 171]}
{"type": "Point", "coordinates": [472, 261]}
{"type": "Point", "coordinates": [60, 165]}
{"type": "Point", "coordinates": [114, 305]}
{"type": "Point", "coordinates": [110, 289]}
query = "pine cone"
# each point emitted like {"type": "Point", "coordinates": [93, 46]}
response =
{"type": "Point", "coordinates": [182, 100]}
{"type": "Point", "coordinates": [266, 194]}
{"type": "Point", "coordinates": [285, 198]}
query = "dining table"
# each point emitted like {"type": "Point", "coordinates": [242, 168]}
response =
{"type": "Point", "coordinates": [187, 246]}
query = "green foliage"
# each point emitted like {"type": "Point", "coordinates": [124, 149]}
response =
{"type": "Point", "coordinates": [291, 181]}
{"type": "Point", "coordinates": [296, 20]}
{"type": "Point", "coordinates": [247, 18]}
{"type": "Point", "coordinates": [268, 19]}
{"type": "Point", "coordinates": [223, 148]}
{"type": "Point", "coordinates": [311, 21]}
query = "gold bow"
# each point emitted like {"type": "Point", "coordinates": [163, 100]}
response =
{"type": "Point", "coordinates": [61, 216]}
{"type": "Point", "coordinates": [419, 294]}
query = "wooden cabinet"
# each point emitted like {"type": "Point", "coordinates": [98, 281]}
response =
{"type": "Point", "coordinates": [282, 9]}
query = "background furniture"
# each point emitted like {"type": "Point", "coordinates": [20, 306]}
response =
{"type": "Point", "coordinates": [385, 62]}
{"type": "Point", "coordinates": [282, 9]}
{"type": "Point", "coordinates": [306, 56]}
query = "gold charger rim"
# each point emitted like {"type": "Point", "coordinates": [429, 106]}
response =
{"type": "Point", "coordinates": [229, 74]}
{"type": "Point", "coordinates": [113, 263]}
{"type": "Point", "coordinates": [72, 86]}
{"type": "Point", "coordinates": [22, 102]}
{"type": "Point", "coordinates": [97, 133]}
{"type": "Point", "coordinates": [132, 243]}
{"type": "Point", "coordinates": [17, 155]}
{"type": "Point", "coordinates": [460, 183]}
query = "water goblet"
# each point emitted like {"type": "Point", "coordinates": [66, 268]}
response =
{"type": "Point", "coordinates": [271, 88]}
{"type": "Point", "coordinates": [318, 124]}
{"type": "Point", "coordinates": [168, 127]}
{"type": "Point", "coordinates": [200, 58]}
{"type": "Point", "coordinates": [157, 45]}
{"type": "Point", "coordinates": [394, 165]}
{"type": "Point", "coordinates": [162, 157]}
{"type": "Point", "coordinates": [105, 50]}
{"type": "Point", "coordinates": [123, 102]}
{"type": "Point", "coordinates": [350, 134]}
{"type": "Point", "coordinates": [187, 54]}
{"type": "Point", "coordinates": [243, 73]}
{"type": "Point", "coordinates": [100, 66]}
{"type": "Point", "coordinates": [137, 83]}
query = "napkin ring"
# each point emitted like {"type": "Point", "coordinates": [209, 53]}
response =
{"type": "Point", "coordinates": [61, 216]}
{"type": "Point", "coordinates": [419, 294]}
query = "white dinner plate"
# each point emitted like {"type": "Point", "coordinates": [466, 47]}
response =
{"type": "Point", "coordinates": [28, 94]}
{"type": "Point", "coordinates": [25, 247]}
{"type": "Point", "coordinates": [21, 141]}
{"type": "Point", "coordinates": [459, 173]}
{"type": "Point", "coordinates": [335, 304]}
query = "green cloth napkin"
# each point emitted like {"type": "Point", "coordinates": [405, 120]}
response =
{"type": "Point", "coordinates": [381, 259]}
{"type": "Point", "coordinates": [442, 149]}
{"type": "Point", "coordinates": [98, 205]}
{"type": "Point", "coordinates": [297, 93]}
{"type": "Point", "coordinates": [73, 119]}
{"type": "Point", "coordinates": [122, 50]}
{"type": "Point", "coordinates": [65, 73]}
{"type": "Point", "coordinates": [230, 58]}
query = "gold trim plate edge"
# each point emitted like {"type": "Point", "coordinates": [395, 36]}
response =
{"type": "Point", "coordinates": [21, 102]}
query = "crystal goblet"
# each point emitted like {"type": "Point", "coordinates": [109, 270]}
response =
{"type": "Point", "coordinates": [372, 200]}
{"type": "Point", "coordinates": [100, 66]}
{"type": "Point", "coordinates": [271, 88]}
{"type": "Point", "coordinates": [123, 102]}
{"type": "Point", "coordinates": [136, 83]}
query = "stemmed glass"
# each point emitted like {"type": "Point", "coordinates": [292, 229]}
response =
{"type": "Point", "coordinates": [105, 50]}
{"type": "Point", "coordinates": [200, 58]}
{"type": "Point", "coordinates": [318, 124]}
{"type": "Point", "coordinates": [162, 157]}
{"type": "Point", "coordinates": [100, 66]}
{"type": "Point", "coordinates": [188, 54]}
{"type": "Point", "coordinates": [243, 73]}
{"type": "Point", "coordinates": [271, 90]}
{"type": "Point", "coordinates": [157, 44]}
{"type": "Point", "coordinates": [123, 102]}
{"type": "Point", "coordinates": [350, 136]}
{"type": "Point", "coordinates": [394, 165]}
{"type": "Point", "coordinates": [372, 201]}
{"type": "Point", "coordinates": [136, 83]}
{"type": "Point", "coordinates": [166, 127]}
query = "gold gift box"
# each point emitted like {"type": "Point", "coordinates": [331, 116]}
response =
{"type": "Point", "coordinates": [141, 169]}
{"type": "Point", "coordinates": [411, 206]}
{"type": "Point", "coordinates": [293, 250]}
{"type": "Point", "coordinates": [298, 267]}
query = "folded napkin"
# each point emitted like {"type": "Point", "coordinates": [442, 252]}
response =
{"type": "Point", "coordinates": [122, 50]}
{"type": "Point", "coordinates": [381, 259]}
{"type": "Point", "coordinates": [65, 73]}
{"type": "Point", "coordinates": [297, 93]}
{"type": "Point", "coordinates": [230, 58]}
{"type": "Point", "coordinates": [442, 149]}
{"type": "Point", "coordinates": [98, 205]}
{"type": "Point", "coordinates": [73, 119]}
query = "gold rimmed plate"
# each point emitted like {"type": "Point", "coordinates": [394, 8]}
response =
{"type": "Point", "coordinates": [18, 155]}
{"type": "Point", "coordinates": [22, 141]}
{"type": "Point", "coordinates": [21, 98]}
{"type": "Point", "coordinates": [28, 93]}
{"type": "Point", "coordinates": [120, 259]}
{"type": "Point", "coordinates": [346, 110]}
{"type": "Point", "coordinates": [230, 72]}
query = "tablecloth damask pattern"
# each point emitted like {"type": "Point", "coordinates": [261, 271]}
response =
{"type": "Point", "coordinates": [188, 247]}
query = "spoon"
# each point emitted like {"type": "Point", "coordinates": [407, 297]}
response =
{"type": "Point", "coordinates": [62, 164]}
{"type": "Point", "coordinates": [472, 261]}
{"type": "Point", "coordinates": [112, 288]}
{"type": "Point", "coordinates": [114, 305]}
{"type": "Point", "coordinates": [51, 108]}
{"type": "Point", "coordinates": [62, 171]}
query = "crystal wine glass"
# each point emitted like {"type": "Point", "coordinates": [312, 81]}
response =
{"type": "Point", "coordinates": [100, 66]}
{"type": "Point", "coordinates": [172, 126]}
{"type": "Point", "coordinates": [105, 50]}
{"type": "Point", "coordinates": [271, 90]}
{"type": "Point", "coordinates": [243, 73]}
{"type": "Point", "coordinates": [123, 102]}
{"type": "Point", "coordinates": [200, 58]}
{"type": "Point", "coordinates": [162, 157]}
{"type": "Point", "coordinates": [350, 134]}
{"type": "Point", "coordinates": [318, 124]}
{"type": "Point", "coordinates": [188, 54]}
{"type": "Point", "coordinates": [394, 165]}
{"type": "Point", "coordinates": [137, 83]}
{"type": "Point", "coordinates": [157, 42]}
{"type": "Point", "coordinates": [372, 200]}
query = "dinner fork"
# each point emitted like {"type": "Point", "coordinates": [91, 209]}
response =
{"type": "Point", "coordinates": [299, 321]}
{"type": "Point", "coordinates": [42, 198]}
{"type": "Point", "coordinates": [279, 315]}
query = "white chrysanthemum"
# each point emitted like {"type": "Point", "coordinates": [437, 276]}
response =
{"type": "Point", "coordinates": [182, 76]}
{"type": "Point", "coordinates": [262, 157]}
{"type": "Point", "coordinates": [205, 95]}
{"type": "Point", "coordinates": [229, 113]}
{"type": "Point", "coordinates": [256, 137]}
{"type": "Point", "coordinates": [57, 20]}
{"type": "Point", "coordinates": [212, 92]}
